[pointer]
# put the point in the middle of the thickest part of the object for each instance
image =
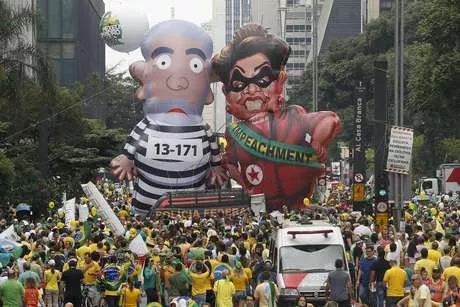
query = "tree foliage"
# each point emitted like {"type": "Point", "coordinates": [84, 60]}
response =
{"type": "Point", "coordinates": [432, 75]}
{"type": "Point", "coordinates": [78, 146]}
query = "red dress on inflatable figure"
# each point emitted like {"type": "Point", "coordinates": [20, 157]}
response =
{"type": "Point", "coordinates": [273, 149]}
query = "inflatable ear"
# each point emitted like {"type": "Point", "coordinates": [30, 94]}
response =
{"type": "Point", "coordinates": [210, 97]}
{"type": "Point", "coordinates": [138, 71]}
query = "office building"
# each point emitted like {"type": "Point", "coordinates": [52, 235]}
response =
{"type": "Point", "coordinates": [339, 19]}
{"type": "Point", "coordinates": [267, 14]}
{"type": "Point", "coordinates": [298, 34]}
{"type": "Point", "coordinates": [69, 35]}
{"type": "Point", "coordinates": [237, 13]}
{"type": "Point", "coordinates": [227, 17]}
{"type": "Point", "coordinates": [373, 9]}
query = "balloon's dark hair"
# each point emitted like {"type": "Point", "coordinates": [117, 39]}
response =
{"type": "Point", "coordinates": [249, 40]}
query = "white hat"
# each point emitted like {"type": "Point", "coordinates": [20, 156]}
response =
{"type": "Point", "coordinates": [52, 262]}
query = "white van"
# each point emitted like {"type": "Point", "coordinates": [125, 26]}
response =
{"type": "Point", "coordinates": [302, 256]}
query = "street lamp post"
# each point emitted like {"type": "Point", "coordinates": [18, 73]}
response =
{"type": "Point", "coordinates": [315, 55]}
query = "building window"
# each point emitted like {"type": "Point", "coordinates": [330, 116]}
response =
{"type": "Point", "coordinates": [308, 41]}
{"type": "Point", "coordinates": [298, 53]}
{"type": "Point", "coordinates": [293, 3]}
{"type": "Point", "coordinates": [295, 66]}
{"type": "Point", "coordinates": [54, 19]}
{"type": "Point", "coordinates": [295, 28]}
{"type": "Point", "coordinates": [295, 40]}
{"type": "Point", "coordinates": [295, 15]}
{"type": "Point", "coordinates": [68, 16]}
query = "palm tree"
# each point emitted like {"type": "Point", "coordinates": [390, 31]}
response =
{"type": "Point", "coordinates": [16, 53]}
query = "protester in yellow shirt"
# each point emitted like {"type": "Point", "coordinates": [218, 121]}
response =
{"type": "Point", "coordinates": [131, 295]}
{"type": "Point", "coordinates": [395, 279]}
{"type": "Point", "coordinates": [90, 269]}
{"type": "Point", "coordinates": [224, 290]}
{"type": "Point", "coordinates": [83, 250]}
{"type": "Point", "coordinates": [433, 253]}
{"type": "Point", "coordinates": [201, 281]}
{"type": "Point", "coordinates": [424, 263]}
{"type": "Point", "coordinates": [453, 270]}
{"type": "Point", "coordinates": [241, 281]}
{"type": "Point", "coordinates": [51, 282]}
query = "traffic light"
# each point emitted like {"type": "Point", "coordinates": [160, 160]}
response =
{"type": "Point", "coordinates": [381, 193]}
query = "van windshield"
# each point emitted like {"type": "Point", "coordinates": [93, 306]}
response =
{"type": "Point", "coordinates": [310, 258]}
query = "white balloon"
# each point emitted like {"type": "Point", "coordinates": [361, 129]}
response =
{"type": "Point", "coordinates": [123, 28]}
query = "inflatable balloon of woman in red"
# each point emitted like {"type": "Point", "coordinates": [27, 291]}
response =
{"type": "Point", "coordinates": [274, 148]}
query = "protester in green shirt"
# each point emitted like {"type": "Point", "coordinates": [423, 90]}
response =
{"type": "Point", "coordinates": [11, 291]}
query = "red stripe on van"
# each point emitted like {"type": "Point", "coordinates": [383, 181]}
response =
{"type": "Point", "coordinates": [292, 280]}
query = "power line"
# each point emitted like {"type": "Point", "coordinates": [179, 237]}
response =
{"type": "Point", "coordinates": [31, 126]}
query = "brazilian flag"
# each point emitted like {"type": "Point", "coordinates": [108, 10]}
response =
{"type": "Point", "coordinates": [112, 278]}
{"type": "Point", "coordinates": [84, 233]}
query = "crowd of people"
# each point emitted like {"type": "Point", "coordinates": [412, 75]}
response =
{"type": "Point", "coordinates": [223, 260]}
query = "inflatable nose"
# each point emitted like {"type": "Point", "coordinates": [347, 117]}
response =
{"type": "Point", "coordinates": [177, 83]}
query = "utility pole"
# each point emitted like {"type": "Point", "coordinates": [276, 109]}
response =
{"type": "Point", "coordinates": [315, 55]}
{"type": "Point", "coordinates": [398, 182]}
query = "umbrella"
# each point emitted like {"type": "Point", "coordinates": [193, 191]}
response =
{"type": "Point", "coordinates": [23, 207]}
{"type": "Point", "coordinates": [418, 198]}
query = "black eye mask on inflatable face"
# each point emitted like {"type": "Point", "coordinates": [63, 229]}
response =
{"type": "Point", "coordinates": [257, 79]}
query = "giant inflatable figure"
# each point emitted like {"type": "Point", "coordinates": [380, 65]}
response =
{"type": "Point", "coordinates": [171, 148]}
{"type": "Point", "coordinates": [274, 148]}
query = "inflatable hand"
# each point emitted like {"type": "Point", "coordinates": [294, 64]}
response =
{"type": "Point", "coordinates": [327, 126]}
{"type": "Point", "coordinates": [123, 168]}
{"type": "Point", "coordinates": [217, 176]}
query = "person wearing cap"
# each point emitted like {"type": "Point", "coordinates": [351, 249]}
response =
{"type": "Point", "coordinates": [52, 278]}
{"type": "Point", "coordinates": [395, 280]}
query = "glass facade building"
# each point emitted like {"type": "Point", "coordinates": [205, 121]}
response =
{"type": "Point", "coordinates": [69, 34]}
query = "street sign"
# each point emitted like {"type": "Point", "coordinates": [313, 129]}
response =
{"type": "Point", "coordinates": [359, 177]}
{"type": "Point", "coordinates": [358, 192]}
{"type": "Point", "coordinates": [381, 222]}
{"type": "Point", "coordinates": [382, 207]}
{"type": "Point", "coordinates": [400, 150]}
{"type": "Point", "coordinates": [322, 181]}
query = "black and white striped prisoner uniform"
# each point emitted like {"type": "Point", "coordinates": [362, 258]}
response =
{"type": "Point", "coordinates": [158, 176]}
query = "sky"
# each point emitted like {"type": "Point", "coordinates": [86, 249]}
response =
{"type": "Point", "coordinates": [196, 11]}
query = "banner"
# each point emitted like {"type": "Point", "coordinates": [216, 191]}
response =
{"type": "Point", "coordinates": [103, 209]}
{"type": "Point", "coordinates": [359, 158]}
{"type": "Point", "coordinates": [10, 234]}
{"type": "Point", "coordinates": [271, 150]}
{"type": "Point", "coordinates": [138, 246]}
{"type": "Point", "coordinates": [400, 150]}
{"type": "Point", "coordinates": [83, 213]}
{"type": "Point", "coordinates": [69, 211]}
{"type": "Point", "coordinates": [172, 212]}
